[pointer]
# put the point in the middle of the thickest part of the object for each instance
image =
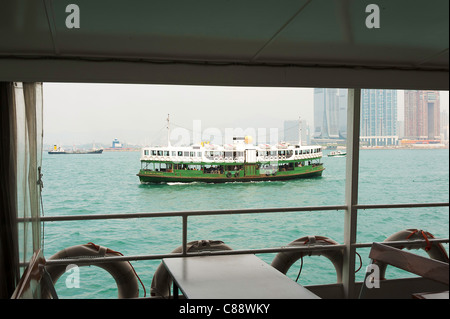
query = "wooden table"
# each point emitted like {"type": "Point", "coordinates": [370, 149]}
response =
{"type": "Point", "coordinates": [231, 277]}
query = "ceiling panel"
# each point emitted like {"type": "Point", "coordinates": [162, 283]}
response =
{"type": "Point", "coordinates": [322, 35]}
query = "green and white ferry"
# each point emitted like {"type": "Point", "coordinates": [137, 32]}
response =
{"type": "Point", "coordinates": [238, 162]}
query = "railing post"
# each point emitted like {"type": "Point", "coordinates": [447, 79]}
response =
{"type": "Point", "coordinates": [185, 217]}
{"type": "Point", "coordinates": [351, 190]}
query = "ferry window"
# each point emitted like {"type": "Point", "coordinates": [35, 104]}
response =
{"type": "Point", "coordinates": [145, 152]}
{"type": "Point", "coordinates": [166, 153]}
{"type": "Point", "coordinates": [174, 153]}
{"type": "Point", "coordinates": [199, 154]}
{"type": "Point", "coordinates": [159, 153]}
{"type": "Point", "coordinates": [386, 176]}
{"type": "Point", "coordinates": [191, 154]}
{"type": "Point", "coordinates": [148, 166]}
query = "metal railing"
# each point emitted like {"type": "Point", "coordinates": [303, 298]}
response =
{"type": "Point", "coordinates": [185, 214]}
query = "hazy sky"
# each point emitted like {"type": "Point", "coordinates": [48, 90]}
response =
{"type": "Point", "coordinates": [84, 113]}
{"type": "Point", "coordinates": [88, 113]}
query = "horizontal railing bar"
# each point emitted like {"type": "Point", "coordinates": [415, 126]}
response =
{"type": "Point", "coordinates": [378, 206]}
{"type": "Point", "coordinates": [186, 213]}
{"type": "Point", "coordinates": [94, 260]}
{"type": "Point", "coordinates": [226, 212]}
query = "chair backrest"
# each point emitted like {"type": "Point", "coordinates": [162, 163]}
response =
{"type": "Point", "coordinates": [422, 266]}
{"type": "Point", "coordinates": [425, 267]}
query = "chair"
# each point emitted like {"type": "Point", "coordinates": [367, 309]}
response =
{"type": "Point", "coordinates": [425, 267]}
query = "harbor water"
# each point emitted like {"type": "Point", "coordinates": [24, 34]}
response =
{"type": "Point", "coordinates": [107, 184]}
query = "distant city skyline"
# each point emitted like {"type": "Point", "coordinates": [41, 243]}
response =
{"type": "Point", "coordinates": [78, 113]}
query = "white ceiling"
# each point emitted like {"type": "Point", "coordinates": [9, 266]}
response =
{"type": "Point", "coordinates": [228, 42]}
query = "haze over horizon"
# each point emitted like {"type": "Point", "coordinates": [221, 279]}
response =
{"type": "Point", "coordinates": [78, 113]}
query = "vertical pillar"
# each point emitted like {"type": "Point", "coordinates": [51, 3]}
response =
{"type": "Point", "coordinates": [184, 240]}
{"type": "Point", "coordinates": [351, 190]}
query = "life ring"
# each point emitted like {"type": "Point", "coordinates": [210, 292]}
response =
{"type": "Point", "coordinates": [216, 158]}
{"type": "Point", "coordinates": [122, 271]}
{"type": "Point", "coordinates": [162, 281]}
{"type": "Point", "coordinates": [285, 259]}
{"type": "Point", "coordinates": [229, 174]}
{"type": "Point", "coordinates": [434, 250]}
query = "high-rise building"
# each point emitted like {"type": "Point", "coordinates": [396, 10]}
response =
{"type": "Point", "coordinates": [422, 115]}
{"type": "Point", "coordinates": [330, 113]}
{"type": "Point", "coordinates": [378, 117]}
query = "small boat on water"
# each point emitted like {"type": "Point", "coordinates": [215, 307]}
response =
{"type": "Point", "coordinates": [60, 150]}
{"type": "Point", "coordinates": [337, 154]}
{"type": "Point", "coordinates": [238, 162]}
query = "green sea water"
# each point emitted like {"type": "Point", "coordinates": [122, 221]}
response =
{"type": "Point", "coordinates": [107, 184]}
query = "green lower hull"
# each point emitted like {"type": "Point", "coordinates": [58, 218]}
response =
{"type": "Point", "coordinates": [199, 176]}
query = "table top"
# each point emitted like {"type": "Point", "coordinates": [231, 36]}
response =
{"type": "Point", "coordinates": [232, 277]}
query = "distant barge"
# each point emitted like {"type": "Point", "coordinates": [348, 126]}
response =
{"type": "Point", "coordinates": [60, 150]}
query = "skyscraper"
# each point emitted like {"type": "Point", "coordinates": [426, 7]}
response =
{"type": "Point", "coordinates": [422, 114]}
{"type": "Point", "coordinates": [330, 113]}
{"type": "Point", "coordinates": [378, 117]}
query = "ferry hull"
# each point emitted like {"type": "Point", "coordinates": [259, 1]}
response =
{"type": "Point", "coordinates": [80, 152]}
{"type": "Point", "coordinates": [174, 177]}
